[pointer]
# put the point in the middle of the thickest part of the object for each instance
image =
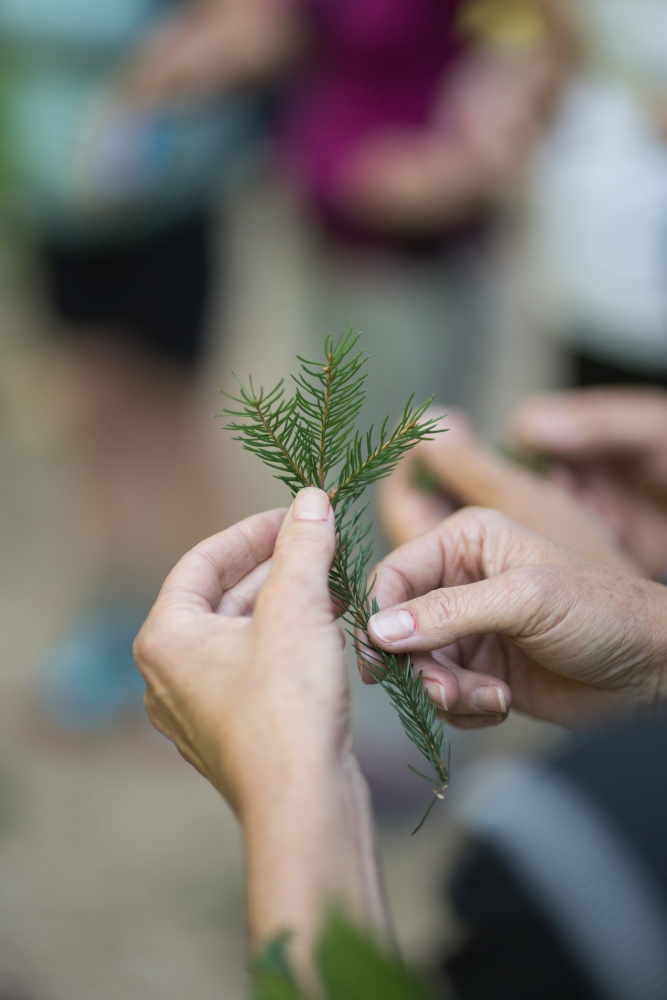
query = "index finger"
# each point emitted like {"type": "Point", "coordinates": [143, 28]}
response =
{"type": "Point", "coordinates": [590, 420]}
{"type": "Point", "coordinates": [200, 579]}
{"type": "Point", "coordinates": [471, 545]}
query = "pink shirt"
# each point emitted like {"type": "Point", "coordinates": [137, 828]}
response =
{"type": "Point", "coordinates": [373, 64]}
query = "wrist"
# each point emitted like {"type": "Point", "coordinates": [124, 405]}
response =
{"type": "Point", "coordinates": [308, 845]}
{"type": "Point", "coordinates": [312, 796]}
{"type": "Point", "coordinates": [268, 784]}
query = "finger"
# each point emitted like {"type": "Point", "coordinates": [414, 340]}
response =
{"type": "Point", "coordinates": [591, 420]}
{"type": "Point", "coordinates": [467, 546]}
{"type": "Point", "coordinates": [201, 577]}
{"type": "Point", "coordinates": [298, 584]}
{"type": "Point", "coordinates": [458, 691]}
{"type": "Point", "coordinates": [465, 722]}
{"type": "Point", "coordinates": [369, 661]}
{"type": "Point", "coordinates": [512, 603]}
{"type": "Point", "coordinates": [239, 600]}
{"type": "Point", "coordinates": [406, 510]}
{"type": "Point", "coordinates": [474, 474]}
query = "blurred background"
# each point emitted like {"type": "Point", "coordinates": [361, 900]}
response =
{"type": "Point", "coordinates": [199, 187]}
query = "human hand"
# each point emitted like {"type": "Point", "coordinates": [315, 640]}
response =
{"type": "Point", "coordinates": [209, 47]}
{"type": "Point", "coordinates": [242, 642]}
{"type": "Point", "coordinates": [469, 472]}
{"type": "Point", "coordinates": [496, 615]}
{"type": "Point", "coordinates": [612, 447]}
{"type": "Point", "coordinates": [408, 181]}
{"type": "Point", "coordinates": [415, 180]}
{"type": "Point", "coordinates": [245, 671]}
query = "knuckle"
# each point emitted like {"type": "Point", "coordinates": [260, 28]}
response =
{"type": "Point", "coordinates": [303, 541]}
{"type": "Point", "coordinates": [537, 595]}
{"type": "Point", "coordinates": [436, 609]}
{"type": "Point", "coordinates": [148, 646]}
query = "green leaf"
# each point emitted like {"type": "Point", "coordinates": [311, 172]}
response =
{"type": "Point", "coordinates": [272, 976]}
{"type": "Point", "coordinates": [274, 986]}
{"type": "Point", "coordinates": [352, 967]}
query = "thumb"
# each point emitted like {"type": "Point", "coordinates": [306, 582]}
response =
{"type": "Point", "coordinates": [299, 579]}
{"type": "Point", "coordinates": [508, 604]}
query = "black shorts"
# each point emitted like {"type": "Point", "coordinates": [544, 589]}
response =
{"type": "Point", "coordinates": [151, 291]}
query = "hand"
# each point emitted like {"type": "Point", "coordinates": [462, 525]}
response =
{"type": "Point", "coordinates": [415, 181]}
{"type": "Point", "coordinates": [497, 616]}
{"type": "Point", "coordinates": [469, 472]}
{"type": "Point", "coordinates": [211, 47]}
{"type": "Point", "coordinates": [245, 671]}
{"type": "Point", "coordinates": [612, 447]}
{"type": "Point", "coordinates": [410, 181]}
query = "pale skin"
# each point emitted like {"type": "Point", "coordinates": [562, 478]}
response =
{"type": "Point", "coordinates": [605, 494]}
{"type": "Point", "coordinates": [497, 615]}
{"type": "Point", "coordinates": [470, 472]}
{"type": "Point", "coordinates": [211, 45]}
{"type": "Point", "coordinates": [245, 672]}
{"type": "Point", "coordinates": [611, 452]}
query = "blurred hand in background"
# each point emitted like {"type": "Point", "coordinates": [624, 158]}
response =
{"type": "Point", "coordinates": [456, 468]}
{"type": "Point", "coordinates": [484, 125]}
{"type": "Point", "coordinates": [211, 46]}
{"type": "Point", "coordinates": [611, 449]}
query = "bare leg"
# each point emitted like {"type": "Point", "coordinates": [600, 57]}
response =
{"type": "Point", "coordinates": [146, 492]}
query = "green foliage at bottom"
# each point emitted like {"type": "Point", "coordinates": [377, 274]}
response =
{"type": "Point", "coordinates": [350, 964]}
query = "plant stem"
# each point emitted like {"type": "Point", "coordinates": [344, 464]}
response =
{"type": "Point", "coordinates": [358, 472]}
{"type": "Point", "coordinates": [278, 443]}
{"type": "Point", "coordinates": [329, 369]}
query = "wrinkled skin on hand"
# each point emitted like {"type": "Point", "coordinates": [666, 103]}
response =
{"type": "Point", "coordinates": [241, 643]}
{"type": "Point", "coordinates": [489, 604]}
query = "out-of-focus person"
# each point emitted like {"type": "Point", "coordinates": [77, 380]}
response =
{"type": "Point", "coordinates": [402, 129]}
{"type": "Point", "coordinates": [113, 170]}
{"type": "Point", "coordinates": [600, 194]}
{"type": "Point", "coordinates": [404, 119]}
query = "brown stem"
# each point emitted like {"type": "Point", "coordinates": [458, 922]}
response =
{"type": "Point", "coordinates": [396, 436]}
{"type": "Point", "coordinates": [278, 443]}
{"type": "Point", "coordinates": [329, 369]}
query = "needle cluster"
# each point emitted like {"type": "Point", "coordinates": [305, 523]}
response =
{"type": "Point", "coordinates": [310, 439]}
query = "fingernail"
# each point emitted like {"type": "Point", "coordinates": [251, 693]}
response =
{"type": "Point", "coordinates": [388, 626]}
{"type": "Point", "coordinates": [490, 699]}
{"type": "Point", "coordinates": [436, 693]}
{"type": "Point", "coordinates": [310, 505]}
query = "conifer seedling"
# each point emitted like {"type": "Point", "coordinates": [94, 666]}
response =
{"type": "Point", "coordinates": [310, 438]}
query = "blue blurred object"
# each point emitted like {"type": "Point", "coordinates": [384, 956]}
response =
{"type": "Point", "coordinates": [90, 679]}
